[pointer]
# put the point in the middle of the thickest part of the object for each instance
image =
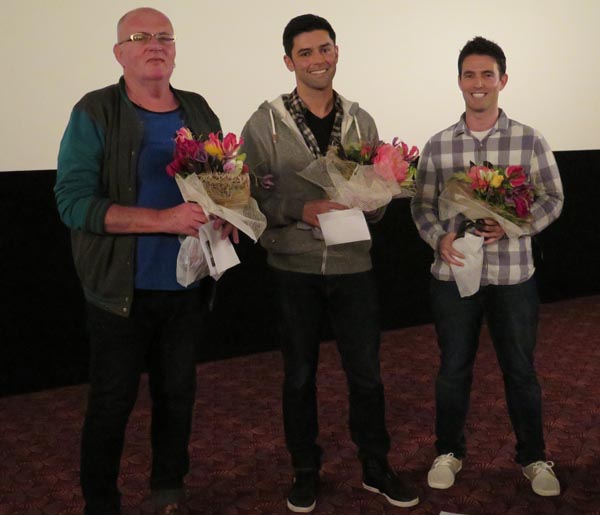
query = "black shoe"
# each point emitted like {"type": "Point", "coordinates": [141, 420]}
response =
{"type": "Point", "coordinates": [303, 494]}
{"type": "Point", "coordinates": [378, 477]}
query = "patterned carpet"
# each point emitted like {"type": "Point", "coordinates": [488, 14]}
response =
{"type": "Point", "coordinates": [240, 465]}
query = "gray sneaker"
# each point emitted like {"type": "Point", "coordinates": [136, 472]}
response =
{"type": "Point", "coordinates": [443, 471]}
{"type": "Point", "coordinates": [543, 480]}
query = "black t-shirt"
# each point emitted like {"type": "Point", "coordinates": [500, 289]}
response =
{"type": "Point", "coordinates": [321, 128]}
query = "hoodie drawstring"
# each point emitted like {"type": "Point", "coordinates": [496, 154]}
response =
{"type": "Point", "coordinates": [273, 130]}
{"type": "Point", "coordinates": [357, 128]}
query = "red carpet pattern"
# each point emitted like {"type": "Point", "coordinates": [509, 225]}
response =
{"type": "Point", "coordinates": [240, 465]}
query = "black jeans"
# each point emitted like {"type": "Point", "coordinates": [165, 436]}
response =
{"type": "Point", "coordinates": [350, 302]}
{"type": "Point", "coordinates": [511, 313]}
{"type": "Point", "coordinates": [162, 333]}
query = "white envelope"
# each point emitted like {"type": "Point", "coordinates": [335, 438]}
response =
{"type": "Point", "coordinates": [220, 254]}
{"type": "Point", "coordinates": [344, 226]}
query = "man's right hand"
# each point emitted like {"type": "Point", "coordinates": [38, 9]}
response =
{"type": "Point", "coordinates": [449, 254]}
{"type": "Point", "coordinates": [185, 219]}
{"type": "Point", "coordinates": [312, 208]}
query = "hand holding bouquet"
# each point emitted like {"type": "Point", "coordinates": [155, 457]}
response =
{"type": "Point", "coordinates": [503, 194]}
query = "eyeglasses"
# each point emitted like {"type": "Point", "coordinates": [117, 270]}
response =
{"type": "Point", "coordinates": [145, 37]}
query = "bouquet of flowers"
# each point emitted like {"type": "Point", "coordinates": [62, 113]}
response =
{"type": "Point", "coordinates": [486, 191]}
{"type": "Point", "coordinates": [366, 176]}
{"type": "Point", "coordinates": [216, 163]}
{"type": "Point", "coordinates": [213, 174]}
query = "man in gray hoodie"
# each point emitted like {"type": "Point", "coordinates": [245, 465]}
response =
{"type": "Point", "coordinates": [282, 138]}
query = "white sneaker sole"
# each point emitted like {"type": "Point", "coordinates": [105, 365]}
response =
{"type": "Point", "coordinates": [394, 502]}
{"type": "Point", "coordinates": [442, 486]}
{"type": "Point", "coordinates": [439, 486]}
{"type": "Point", "coordinates": [301, 509]}
{"type": "Point", "coordinates": [546, 493]}
{"type": "Point", "coordinates": [542, 493]}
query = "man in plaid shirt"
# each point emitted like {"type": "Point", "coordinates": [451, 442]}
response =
{"type": "Point", "coordinates": [508, 296]}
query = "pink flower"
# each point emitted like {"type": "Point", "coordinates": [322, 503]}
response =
{"type": "Point", "coordinates": [189, 153]}
{"type": "Point", "coordinates": [516, 176]}
{"type": "Point", "coordinates": [189, 149]}
{"type": "Point", "coordinates": [521, 206]}
{"type": "Point", "coordinates": [365, 152]}
{"type": "Point", "coordinates": [389, 163]}
{"type": "Point", "coordinates": [480, 177]}
{"type": "Point", "coordinates": [173, 167]}
{"type": "Point", "coordinates": [231, 145]}
{"type": "Point", "coordinates": [409, 156]}
{"type": "Point", "coordinates": [183, 134]}
{"type": "Point", "coordinates": [233, 166]}
{"type": "Point", "coordinates": [521, 198]}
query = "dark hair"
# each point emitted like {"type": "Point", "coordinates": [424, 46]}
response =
{"type": "Point", "coordinates": [482, 46]}
{"type": "Point", "coordinates": [304, 23]}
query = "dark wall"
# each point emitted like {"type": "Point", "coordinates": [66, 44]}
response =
{"type": "Point", "coordinates": [42, 334]}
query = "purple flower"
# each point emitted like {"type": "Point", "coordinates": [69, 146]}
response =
{"type": "Point", "coordinates": [266, 181]}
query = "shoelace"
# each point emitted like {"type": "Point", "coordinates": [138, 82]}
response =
{"type": "Point", "coordinates": [540, 466]}
{"type": "Point", "coordinates": [444, 459]}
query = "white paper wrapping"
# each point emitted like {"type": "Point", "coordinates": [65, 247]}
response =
{"type": "Point", "coordinates": [191, 265]}
{"type": "Point", "coordinates": [468, 277]}
{"type": "Point", "coordinates": [351, 184]}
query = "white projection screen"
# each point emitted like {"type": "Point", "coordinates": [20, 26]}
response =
{"type": "Point", "coordinates": [397, 59]}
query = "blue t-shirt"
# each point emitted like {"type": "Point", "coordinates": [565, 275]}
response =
{"type": "Point", "coordinates": [156, 254]}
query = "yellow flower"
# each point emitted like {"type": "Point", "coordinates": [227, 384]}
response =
{"type": "Point", "coordinates": [496, 181]}
{"type": "Point", "coordinates": [214, 150]}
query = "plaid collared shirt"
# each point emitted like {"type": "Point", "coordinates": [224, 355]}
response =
{"type": "Point", "coordinates": [507, 261]}
{"type": "Point", "coordinates": [293, 103]}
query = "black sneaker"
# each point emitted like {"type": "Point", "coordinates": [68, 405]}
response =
{"type": "Point", "coordinates": [303, 494]}
{"type": "Point", "coordinates": [378, 477]}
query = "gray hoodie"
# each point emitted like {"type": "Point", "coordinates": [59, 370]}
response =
{"type": "Point", "coordinates": [274, 146]}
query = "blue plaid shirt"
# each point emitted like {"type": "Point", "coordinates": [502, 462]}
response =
{"type": "Point", "coordinates": [507, 261]}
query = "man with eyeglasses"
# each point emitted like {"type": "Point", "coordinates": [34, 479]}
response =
{"type": "Point", "coordinates": [125, 215]}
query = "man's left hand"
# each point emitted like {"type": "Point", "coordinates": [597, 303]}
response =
{"type": "Point", "coordinates": [491, 231]}
{"type": "Point", "coordinates": [226, 230]}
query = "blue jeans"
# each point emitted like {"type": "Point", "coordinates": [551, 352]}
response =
{"type": "Point", "coordinates": [350, 303]}
{"type": "Point", "coordinates": [161, 334]}
{"type": "Point", "coordinates": [511, 313]}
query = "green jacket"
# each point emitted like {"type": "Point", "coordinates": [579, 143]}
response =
{"type": "Point", "coordinates": [97, 165]}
